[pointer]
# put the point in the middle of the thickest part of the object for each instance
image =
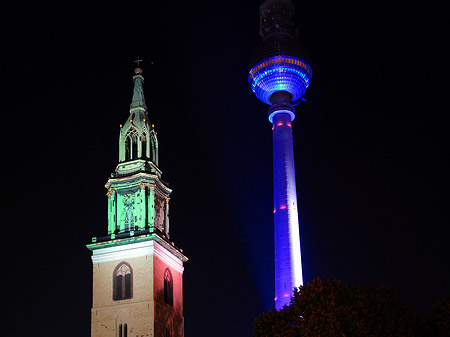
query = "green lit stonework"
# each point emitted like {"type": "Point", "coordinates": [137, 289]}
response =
{"type": "Point", "coordinates": [138, 200]}
{"type": "Point", "coordinates": [137, 136]}
{"type": "Point", "coordinates": [132, 258]}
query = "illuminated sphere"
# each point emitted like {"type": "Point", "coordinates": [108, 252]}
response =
{"type": "Point", "coordinates": [279, 65]}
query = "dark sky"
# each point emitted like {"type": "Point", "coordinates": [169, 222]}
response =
{"type": "Point", "coordinates": [370, 148]}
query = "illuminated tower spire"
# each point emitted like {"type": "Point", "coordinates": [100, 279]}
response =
{"type": "Point", "coordinates": [137, 271]}
{"type": "Point", "coordinates": [137, 136]}
{"type": "Point", "coordinates": [279, 76]}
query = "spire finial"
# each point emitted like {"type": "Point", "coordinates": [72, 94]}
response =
{"type": "Point", "coordinates": [138, 70]}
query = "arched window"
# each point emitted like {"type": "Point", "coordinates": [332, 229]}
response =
{"type": "Point", "coordinates": [168, 287]}
{"type": "Point", "coordinates": [134, 147]}
{"type": "Point", "coordinates": [144, 146]}
{"type": "Point", "coordinates": [123, 330]}
{"type": "Point", "coordinates": [153, 155]}
{"type": "Point", "coordinates": [121, 324]}
{"type": "Point", "coordinates": [122, 282]}
{"type": "Point", "coordinates": [131, 146]}
{"type": "Point", "coordinates": [127, 149]}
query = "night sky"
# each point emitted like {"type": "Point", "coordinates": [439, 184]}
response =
{"type": "Point", "coordinates": [370, 148]}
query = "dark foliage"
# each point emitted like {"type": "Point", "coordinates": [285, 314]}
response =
{"type": "Point", "coordinates": [330, 308]}
{"type": "Point", "coordinates": [440, 316]}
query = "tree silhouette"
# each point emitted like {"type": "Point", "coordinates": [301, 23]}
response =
{"type": "Point", "coordinates": [440, 316]}
{"type": "Point", "coordinates": [330, 308]}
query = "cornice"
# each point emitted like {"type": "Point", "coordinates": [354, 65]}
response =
{"type": "Point", "coordinates": [151, 244]}
{"type": "Point", "coordinates": [135, 179]}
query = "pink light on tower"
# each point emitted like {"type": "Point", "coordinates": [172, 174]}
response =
{"type": "Point", "coordinates": [279, 77]}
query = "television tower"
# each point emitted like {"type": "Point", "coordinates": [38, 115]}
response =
{"type": "Point", "coordinates": [279, 76]}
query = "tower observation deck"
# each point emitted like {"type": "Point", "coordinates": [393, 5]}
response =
{"type": "Point", "coordinates": [279, 76]}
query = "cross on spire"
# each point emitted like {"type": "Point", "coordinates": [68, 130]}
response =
{"type": "Point", "coordinates": [138, 70]}
{"type": "Point", "coordinates": [138, 60]}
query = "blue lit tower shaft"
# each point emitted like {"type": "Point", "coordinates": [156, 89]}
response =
{"type": "Point", "coordinates": [279, 76]}
{"type": "Point", "coordinates": [288, 264]}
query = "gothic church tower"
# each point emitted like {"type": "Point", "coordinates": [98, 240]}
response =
{"type": "Point", "coordinates": [137, 271]}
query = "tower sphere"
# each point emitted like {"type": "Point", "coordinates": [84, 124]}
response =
{"type": "Point", "coordinates": [279, 76]}
{"type": "Point", "coordinates": [279, 64]}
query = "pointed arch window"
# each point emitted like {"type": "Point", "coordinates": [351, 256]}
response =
{"type": "Point", "coordinates": [144, 145]}
{"type": "Point", "coordinates": [122, 282]}
{"type": "Point", "coordinates": [134, 147]}
{"type": "Point", "coordinates": [153, 155]}
{"type": "Point", "coordinates": [127, 149]}
{"type": "Point", "coordinates": [168, 287]}
{"type": "Point", "coordinates": [131, 146]}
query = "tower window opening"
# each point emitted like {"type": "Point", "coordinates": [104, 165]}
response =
{"type": "Point", "coordinates": [127, 149]}
{"type": "Point", "coordinates": [131, 144]}
{"type": "Point", "coordinates": [168, 287]}
{"type": "Point", "coordinates": [123, 330]}
{"type": "Point", "coordinates": [122, 282]}
{"type": "Point", "coordinates": [153, 155]}
{"type": "Point", "coordinates": [144, 146]}
{"type": "Point", "coordinates": [134, 153]}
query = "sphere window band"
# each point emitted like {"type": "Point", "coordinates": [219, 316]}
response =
{"type": "Point", "coordinates": [300, 63]}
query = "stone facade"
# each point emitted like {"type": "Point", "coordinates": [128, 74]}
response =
{"type": "Point", "coordinates": [137, 271]}
{"type": "Point", "coordinates": [146, 313]}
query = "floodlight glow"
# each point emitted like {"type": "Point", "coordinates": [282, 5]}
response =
{"type": "Point", "coordinates": [288, 264]}
{"type": "Point", "coordinates": [279, 76]}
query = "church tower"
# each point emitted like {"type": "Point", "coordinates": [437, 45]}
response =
{"type": "Point", "coordinates": [137, 270]}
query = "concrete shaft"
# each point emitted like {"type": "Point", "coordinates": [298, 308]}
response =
{"type": "Point", "coordinates": [288, 265]}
